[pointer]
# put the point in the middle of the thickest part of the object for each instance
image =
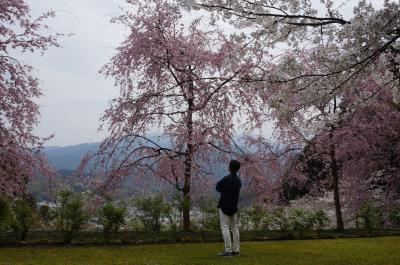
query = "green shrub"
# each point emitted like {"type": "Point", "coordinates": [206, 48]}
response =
{"type": "Point", "coordinates": [209, 215]}
{"type": "Point", "coordinates": [46, 214]}
{"type": "Point", "coordinates": [4, 213]}
{"type": "Point", "coordinates": [281, 220]}
{"type": "Point", "coordinates": [245, 223]}
{"type": "Point", "coordinates": [152, 208]}
{"type": "Point", "coordinates": [21, 218]}
{"type": "Point", "coordinates": [297, 219]}
{"type": "Point", "coordinates": [258, 217]}
{"type": "Point", "coordinates": [320, 220]}
{"type": "Point", "coordinates": [173, 212]}
{"type": "Point", "coordinates": [70, 214]}
{"type": "Point", "coordinates": [369, 216]}
{"type": "Point", "coordinates": [395, 218]}
{"type": "Point", "coordinates": [301, 220]}
{"type": "Point", "coordinates": [135, 224]}
{"type": "Point", "coordinates": [112, 217]}
{"type": "Point", "coordinates": [173, 215]}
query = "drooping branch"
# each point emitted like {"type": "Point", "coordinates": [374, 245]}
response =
{"type": "Point", "coordinates": [21, 156]}
{"type": "Point", "coordinates": [282, 17]}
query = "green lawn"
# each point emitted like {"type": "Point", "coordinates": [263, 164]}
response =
{"type": "Point", "coordinates": [365, 251]}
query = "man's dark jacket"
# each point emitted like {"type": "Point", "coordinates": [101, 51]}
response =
{"type": "Point", "coordinates": [229, 187]}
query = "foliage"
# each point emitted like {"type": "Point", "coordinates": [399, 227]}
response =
{"type": "Point", "coordinates": [22, 218]}
{"type": "Point", "coordinates": [135, 224]}
{"type": "Point", "coordinates": [151, 209]}
{"type": "Point", "coordinates": [301, 220]}
{"type": "Point", "coordinates": [46, 214]}
{"type": "Point", "coordinates": [256, 217]}
{"type": "Point", "coordinates": [281, 219]}
{"type": "Point", "coordinates": [369, 132]}
{"type": "Point", "coordinates": [370, 216]}
{"type": "Point", "coordinates": [320, 220]}
{"type": "Point", "coordinates": [314, 170]}
{"type": "Point", "coordinates": [190, 87]}
{"type": "Point", "coordinates": [209, 219]}
{"type": "Point", "coordinates": [318, 35]}
{"type": "Point", "coordinates": [4, 213]}
{"type": "Point", "coordinates": [20, 155]}
{"type": "Point", "coordinates": [174, 212]}
{"type": "Point", "coordinates": [71, 215]}
{"type": "Point", "coordinates": [244, 220]}
{"type": "Point", "coordinates": [112, 217]}
{"type": "Point", "coordinates": [322, 84]}
{"type": "Point", "coordinates": [395, 217]}
{"type": "Point", "coordinates": [297, 219]}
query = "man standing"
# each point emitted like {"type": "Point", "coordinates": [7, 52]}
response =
{"type": "Point", "coordinates": [229, 187]}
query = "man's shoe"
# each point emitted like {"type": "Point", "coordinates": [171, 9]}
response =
{"type": "Point", "coordinates": [225, 254]}
{"type": "Point", "coordinates": [235, 253]}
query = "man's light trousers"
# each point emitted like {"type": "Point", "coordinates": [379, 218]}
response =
{"type": "Point", "coordinates": [229, 222]}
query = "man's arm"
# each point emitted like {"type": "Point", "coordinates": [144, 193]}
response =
{"type": "Point", "coordinates": [221, 184]}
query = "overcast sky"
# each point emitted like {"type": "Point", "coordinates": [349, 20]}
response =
{"type": "Point", "coordinates": [75, 95]}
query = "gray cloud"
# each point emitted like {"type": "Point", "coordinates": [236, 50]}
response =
{"type": "Point", "coordinates": [75, 95]}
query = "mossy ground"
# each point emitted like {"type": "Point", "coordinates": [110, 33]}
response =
{"type": "Point", "coordinates": [351, 251]}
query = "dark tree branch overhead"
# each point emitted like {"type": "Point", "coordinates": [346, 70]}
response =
{"type": "Point", "coordinates": [291, 19]}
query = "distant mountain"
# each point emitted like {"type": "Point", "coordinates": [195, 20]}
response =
{"type": "Point", "coordinates": [68, 157]}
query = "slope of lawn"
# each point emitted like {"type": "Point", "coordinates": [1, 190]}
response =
{"type": "Point", "coordinates": [365, 251]}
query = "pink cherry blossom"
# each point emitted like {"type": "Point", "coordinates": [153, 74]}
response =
{"type": "Point", "coordinates": [186, 82]}
{"type": "Point", "coordinates": [20, 150]}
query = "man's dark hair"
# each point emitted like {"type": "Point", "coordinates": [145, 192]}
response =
{"type": "Point", "coordinates": [234, 166]}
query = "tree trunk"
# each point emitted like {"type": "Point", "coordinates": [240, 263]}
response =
{"type": "Point", "coordinates": [186, 207]}
{"type": "Point", "coordinates": [335, 179]}
{"type": "Point", "coordinates": [188, 161]}
{"type": "Point", "coordinates": [357, 225]}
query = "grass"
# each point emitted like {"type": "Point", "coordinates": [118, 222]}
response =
{"type": "Point", "coordinates": [350, 251]}
{"type": "Point", "coordinates": [51, 238]}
